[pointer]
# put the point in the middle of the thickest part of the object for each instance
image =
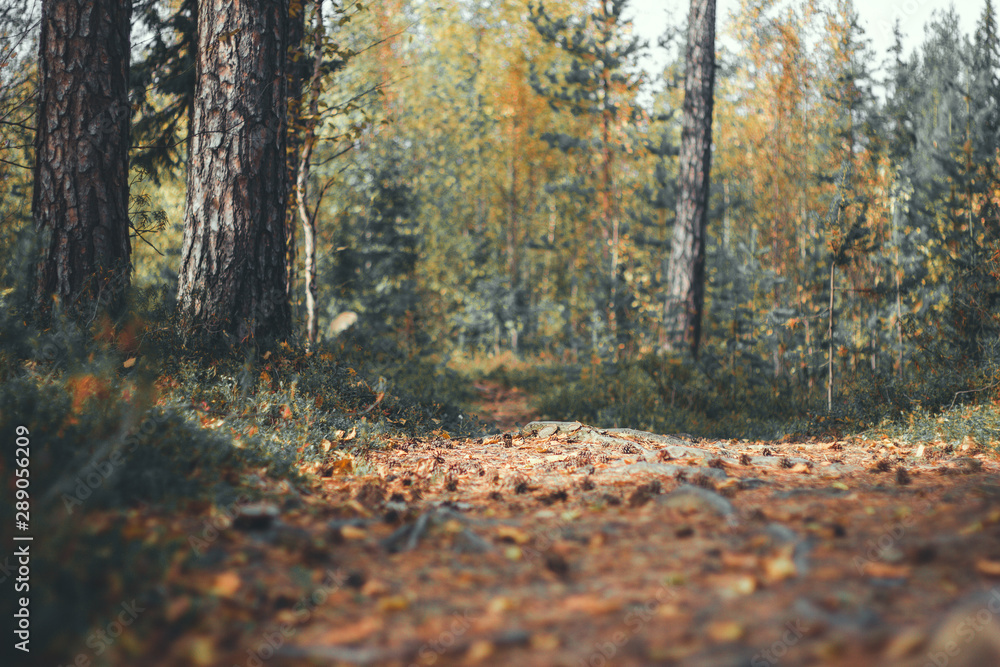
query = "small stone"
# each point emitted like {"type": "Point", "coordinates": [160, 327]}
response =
{"type": "Point", "coordinates": [696, 499]}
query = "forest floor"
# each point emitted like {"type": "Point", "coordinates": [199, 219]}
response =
{"type": "Point", "coordinates": [562, 544]}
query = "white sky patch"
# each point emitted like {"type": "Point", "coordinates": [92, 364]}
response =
{"type": "Point", "coordinates": [651, 17]}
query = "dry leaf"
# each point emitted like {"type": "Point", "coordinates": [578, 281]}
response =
{"type": "Point", "coordinates": [731, 585]}
{"type": "Point", "coordinates": [990, 568]}
{"type": "Point", "coordinates": [393, 603]}
{"type": "Point", "coordinates": [353, 533]}
{"type": "Point", "coordinates": [202, 651]}
{"type": "Point", "coordinates": [905, 644]}
{"type": "Point", "coordinates": [226, 584]}
{"type": "Point", "coordinates": [515, 535]}
{"type": "Point", "coordinates": [479, 651]}
{"type": "Point", "coordinates": [724, 631]}
{"type": "Point", "coordinates": [177, 607]}
{"type": "Point", "coordinates": [342, 466]}
{"type": "Point", "coordinates": [345, 634]}
{"type": "Point", "coordinates": [498, 605]}
{"type": "Point", "coordinates": [739, 561]}
{"type": "Point", "coordinates": [882, 570]}
{"type": "Point", "coordinates": [780, 566]}
{"type": "Point", "coordinates": [544, 641]}
{"type": "Point", "coordinates": [591, 604]}
{"type": "Point", "coordinates": [129, 363]}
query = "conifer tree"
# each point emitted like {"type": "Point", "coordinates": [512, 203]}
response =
{"type": "Point", "coordinates": [686, 272]}
{"type": "Point", "coordinates": [232, 277]}
{"type": "Point", "coordinates": [80, 200]}
{"type": "Point", "coordinates": [600, 83]}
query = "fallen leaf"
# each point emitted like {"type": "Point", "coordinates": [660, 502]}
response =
{"type": "Point", "coordinates": [479, 651]}
{"type": "Point", "coordinates": [905, 644]}
{"type": "Point", "coordinates": [731, 585]}
{"type": "Point", "coordinates": [393, 603]}
{"type": "Point", "coordinates": [781, 566]}
{"type": "Point", "coordinates": [202, 651]}
{"type": "Point", "coordinates": [724, 631]}
{"type": "Point", "coordinates": [881, 570]}
{"type": "Point", "coordinates": [739, 561]}
{"type": "Point", "coordinates": [544, 641]}
{"type": "Point", "coordinates": [353, 533]}
{"type": "Point", "coordinates": [591, 604]}
{"type": "Point", "coordinates": [177, 607]}
{"type": "Point", "coordinates": [971, 529]}
{"type": "Point", "coordinates": [226, 584]}
{"type": "Point", "coordinates": [498, 605]}
{"type": "Point", "coordinates": [990, 568]}
{"type": "Point", "coordinates": [345, 634]}
{"type": "Point", "coordinates": [513, 534]}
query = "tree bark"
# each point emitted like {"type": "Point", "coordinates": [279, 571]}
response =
{"type": "Point", "coordinates": [233, 275]}
{"type": "Point", "coordinates": [686, 272]}
{"type": "Point", "coordinates": [80, 197]}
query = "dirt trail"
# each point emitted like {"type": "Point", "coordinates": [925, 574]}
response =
{"type": "Point", "coordinates": [567, 545]}
{"type": "Point", "coordinates": [507, 407]}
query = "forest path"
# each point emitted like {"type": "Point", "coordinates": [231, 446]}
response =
{"type": "Point", "coordinates": [507, 407]}
{"type": "Point", "coordinates": [564, 544]}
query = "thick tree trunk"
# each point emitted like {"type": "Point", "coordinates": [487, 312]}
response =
{"type": "Point", "coordinates": [232, 277]}
{"type": "Point", "coordinates": [80, 198]}
{"type": "Point", "coordinates": [686, 272]}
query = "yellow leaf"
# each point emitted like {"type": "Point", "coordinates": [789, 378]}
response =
{"type": "Point", "coordinates": [129, 363]}
{"type": "Point", "coordinates": [724, 631]}
{"type": "Point", "coordinates": [481, 649]}
{"type": "Point", "coordinates": [393, 603]}
{"type": "Point", "coordinates": [203, 651]}
{"type": "Point", "coordinates": [545, 641]}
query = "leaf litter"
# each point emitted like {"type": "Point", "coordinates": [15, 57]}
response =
{"type": "Point", "coordinates": [564, 544]}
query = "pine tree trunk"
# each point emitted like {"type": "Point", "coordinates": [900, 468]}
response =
{"type": "Point", "coordinates": [232, 277]}
{"type": "Point", "coordinates": [686, 272]}
{"type": "Point", "coordinates": [80, 198]}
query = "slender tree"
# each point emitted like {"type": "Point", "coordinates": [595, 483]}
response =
{"type": "Point", "coordinates": [686, 271]}
{"type": "Point", "coordinates": [233, 271]}
{"type": "Point", "coordinates": [80, 199]}
{"type": "Point", "coordinates": [301, 183]}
